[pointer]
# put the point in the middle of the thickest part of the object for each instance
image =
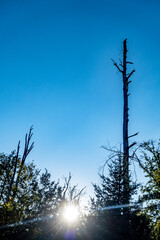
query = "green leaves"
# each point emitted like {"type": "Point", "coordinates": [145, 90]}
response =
{"type": "Point", "coordinates": [149, 161]}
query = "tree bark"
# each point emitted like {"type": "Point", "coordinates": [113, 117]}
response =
{"type": "Point", "coordinates": [122, 68]}
{"type": "Point", "coordinates": [125, 126]}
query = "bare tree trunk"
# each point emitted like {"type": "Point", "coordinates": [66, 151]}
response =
{"type": "Point", "coordinates": [125, 127]}
{"type": "Point", "coordinates": [122, 67]}
{"type": "Point", "coordinates": [126, 186]}
{"type": "Point", "coordinates": [27, 150]}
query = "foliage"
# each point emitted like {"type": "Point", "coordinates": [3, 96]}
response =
{"type": "Point", "coordinates": [30, 201]}
{"type": "Point", "coordinates": [111, 223]}
{"type": "Point", "coordinates": [149, 161]}
{"type": "Point", "coordinates": [148, 158]}
{"type": "Point", "coordinates": [34, 199]}
{"type": "Point", "coordinates": [36, 204]}
{"type": "Point", "coordinates": [111, 191]}
{"type": "Point", "coordinates": [140, 227]}
{"type": "Point", "coordinates": [156, 231]}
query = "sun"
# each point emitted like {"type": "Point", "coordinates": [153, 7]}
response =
{"type": "Point", "coordinates": [71, 213]}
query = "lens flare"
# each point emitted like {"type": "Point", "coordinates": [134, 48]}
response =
{"type": "Point", "coordinates": [71, 214]}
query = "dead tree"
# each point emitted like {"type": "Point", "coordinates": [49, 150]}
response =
{"type": "Point", "coordinates": [127, 189]}
{"type": "Point", "coordinates": [122, 68]}
{"type": "Point", "coordinates": [27, 150]}
{"type": "Point", "coordinates": [70, 193]}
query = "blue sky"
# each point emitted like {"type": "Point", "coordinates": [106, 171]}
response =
{"type": "Point", "coordinates": [56, 73]}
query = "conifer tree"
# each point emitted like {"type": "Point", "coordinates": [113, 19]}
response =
{"type": "Point", "coordinates": [111, 190]}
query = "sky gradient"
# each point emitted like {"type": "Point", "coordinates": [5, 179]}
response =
{"type": "Point", "coordinates": [56, 74]}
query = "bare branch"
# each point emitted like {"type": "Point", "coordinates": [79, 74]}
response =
{"type": "Point", "coordinates": [27, 150]}
{"type": "Point", "coordinates": [130, 74]}
{"type": "Point", "coordinates": [121, 64]}
{"type": "Point", "coordinates": [106, 162]}
{"type": "Point", "coordinates": [129, 62]}
{"type": "Point", "coordinates": [132, 145]}
{"type": "Point", "coordinates": [110, 150]}
{"type": "Point", "coordinates": [115, 64]}
{"type": "Point", "coordinates": [134, 135]}
{"type": "Point", "coordinates": [142, 166]}
{"type": "Point", "coordinates": [66, 187]}
{"type": "Point", "coordinates": [79, 194]}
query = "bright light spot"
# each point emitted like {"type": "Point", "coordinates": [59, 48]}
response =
{"type": "Point", "coordinates": [71, 213]}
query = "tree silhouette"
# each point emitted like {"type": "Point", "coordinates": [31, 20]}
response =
{"type": "Point", "coordinates": [109, 197]}
{"type": "Point", "coordinates": [122, 68]}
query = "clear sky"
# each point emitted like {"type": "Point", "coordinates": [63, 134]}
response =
{"type": "Point", "coordinates": [56, 73]}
